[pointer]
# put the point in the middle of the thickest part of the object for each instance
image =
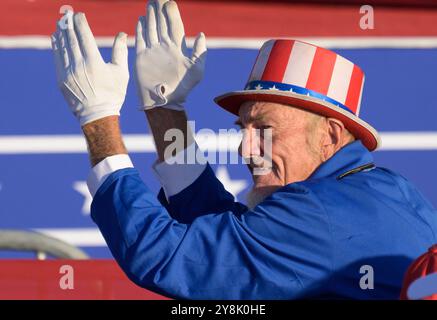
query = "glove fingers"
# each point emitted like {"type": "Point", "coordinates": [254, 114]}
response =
{"type": "Point", "coordinates": [151, 32]}
{"type": "Point", "coordinates": [161, 21]}
{"type": "Point", "coordinates": [85, 37]}
{"type": "Point", "coordinates": [140, 42]}
{"type": "Point", "coordinates": [62, 42]}
{"type": "Point", "coordinates": [174, 22]}
{"type": "Point", "coordinates": [72, 43]}
{"type": "Point", "coordinates": [199, 48]}
{"type": "Point", "coordinates": [119, 50]}
{"type": "Point", "coordinates": [58, 58]}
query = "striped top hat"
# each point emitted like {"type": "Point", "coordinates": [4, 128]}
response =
{"type": "Point", "coordinates": [300, 74]}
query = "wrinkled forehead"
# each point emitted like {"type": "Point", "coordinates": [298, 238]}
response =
{"type": "Point", "coordinates": [258, 110]}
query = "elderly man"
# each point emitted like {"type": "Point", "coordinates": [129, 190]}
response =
{"type": "Point", "coordinates": [322, 221]}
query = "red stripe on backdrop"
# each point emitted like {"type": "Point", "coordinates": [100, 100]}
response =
{"type": "Point", "coordinates": [223, 19]}
{"type": "Point", "coordinates": [354, 91]}
{"type": "Point", "coordinates": [93, 280]}
{"type": "Point", "coordinates": [278, 60]}
{"type": "Point", "coordinates": [321, 71]}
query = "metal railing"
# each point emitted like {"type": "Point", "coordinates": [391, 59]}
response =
{"type": "Point", "coordinates": [42, 245]}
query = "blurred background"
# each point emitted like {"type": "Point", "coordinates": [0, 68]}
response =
{"type": "Point", "coordinates": [43, 159]}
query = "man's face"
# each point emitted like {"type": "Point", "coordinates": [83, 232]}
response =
{"type": "Point", "coordinates": [295, 151]}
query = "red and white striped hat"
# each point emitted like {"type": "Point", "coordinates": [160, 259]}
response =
{"type": "Point", "coordinates": [308, 77]}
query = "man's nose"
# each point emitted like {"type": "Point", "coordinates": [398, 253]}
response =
{"type": "Point", "coordinates": [250, 144]}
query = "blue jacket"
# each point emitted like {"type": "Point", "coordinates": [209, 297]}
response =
{"type": "Point", "coordinates": [307, 240]}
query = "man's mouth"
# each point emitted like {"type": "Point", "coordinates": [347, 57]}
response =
{"type": "Point", "coordinates": [261, 171]}
{"type": "Point", "coordinates": [258, 167]}
{"type": "Point", "coordinates": [257, 170]}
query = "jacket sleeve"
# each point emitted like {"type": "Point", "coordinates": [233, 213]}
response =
{"type": "Point", "coordinates": [271, 252]}
{"type": "Point", "coordinates": [204, 196]}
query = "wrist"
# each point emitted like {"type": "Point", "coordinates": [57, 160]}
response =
{"type": "Point", "coordinates": [97, 114]}
{"type": "Point", "coordinates": [161, 121]}
{"type": "Point", "coordinates": [103, 138]}
{"type": "Point", "coordinates": [168, 106]}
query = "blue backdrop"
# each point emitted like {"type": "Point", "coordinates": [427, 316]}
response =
{"type": "Point", "coordinates": [46, 191]}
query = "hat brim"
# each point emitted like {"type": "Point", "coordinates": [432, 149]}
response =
{"type": "Point", "coordinates": [360, 129]}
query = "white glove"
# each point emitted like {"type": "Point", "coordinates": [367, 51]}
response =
{"type": "Point", "coordinates": [93, 89]}
{"type": "Point", "coordinates": [165, 72]}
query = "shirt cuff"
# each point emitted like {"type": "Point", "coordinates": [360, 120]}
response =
{"type": "Point", "coordinates": [180, 171]}
{"type": "Point", "coordinates": [104, 168]}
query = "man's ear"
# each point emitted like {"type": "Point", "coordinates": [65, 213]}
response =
{"type": "Point", "coordinates": [334, 138]}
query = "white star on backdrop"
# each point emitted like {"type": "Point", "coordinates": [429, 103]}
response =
{"type": "Point", "coordinates": [233, 186]}
{"type": "Point", "coordinates": [82, 188]}
{"type": "Point", "coordinates": [258, 87]}
{"type": "Point", "coordinates": [273, 88]}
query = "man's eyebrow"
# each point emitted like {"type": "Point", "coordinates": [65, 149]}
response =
{"type": "Point", "coordinates": [238, 122]}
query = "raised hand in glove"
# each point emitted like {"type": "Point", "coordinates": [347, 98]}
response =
{"type": "Point", "coordinates": [165, 72]}
{"type": "Point", "coordinates": [93, 88]}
